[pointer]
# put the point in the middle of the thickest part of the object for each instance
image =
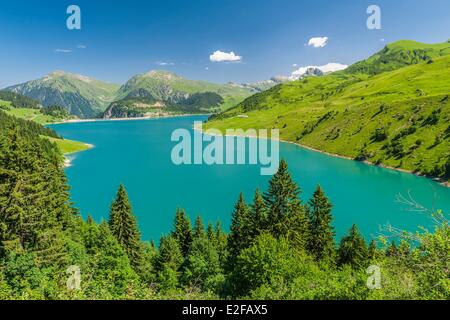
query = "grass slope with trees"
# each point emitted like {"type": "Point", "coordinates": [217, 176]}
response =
{"type": "Point", "coordinates": [278, 246]}
{"type": "Point", "coordinates": [392, 109]}
{"type": "Point", "coordinates": [20, 108]}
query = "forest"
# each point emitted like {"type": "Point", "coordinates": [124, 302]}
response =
{"type": "Point", "coordinates": [279, 245]}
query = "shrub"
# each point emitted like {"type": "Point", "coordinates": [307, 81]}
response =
{"type": "Point", "coordinates": [379, 135]}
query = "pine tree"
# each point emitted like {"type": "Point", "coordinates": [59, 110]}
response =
{"type": "Point", "coordinates": [89, 219]}
{"type": "Point", "coordinates": [220, 235]}
{"type": "Point", "coordinates": [124, 227]}
{"type": "Point", "coordinates": [286, 214]}
{"type": "Point", "coordinates": [199, 228]}
{"type": "Point", "coordinates": [372, 251]}
{"type": "Point", "coordinates": [168, 263]}
{"type": "Point", "coordinates": [182, 231]}
{"type": "Point", "coordinates": [352, 249]}
{"type": "Point", "coordinates": [237, 238]}
{"type": "Point", "coordinates": [34, 202]}
{"type": "Point", "coordinates": [221, 244]}
{"type": "Point", "coordinates": [321, 232]}
{"type": "Point", "coordinates": [210, 233]}
{"type": "Point", "coordinates": [392, 250]}
{"type": "Point", "coordinates": [404, 249]}
{"type": "Point", "coordinates": [258, 223]}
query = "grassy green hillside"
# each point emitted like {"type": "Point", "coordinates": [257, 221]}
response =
{"type": "Point", "coordinates": [25, 108]}
{"type": "Point", "coordinates": [398, 118]}
{"type": "Point", "coordinates": [29, 116]}
{"type": "Point", "coordinates": [400, 54]}
{"type": "Point", "coordinates": [69, 146]}
{"type": "Point", "coordinates": [11, 99]}
{"type": "Point", "coordinates": [35, 115]}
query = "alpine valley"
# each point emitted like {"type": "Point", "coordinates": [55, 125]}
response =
{"type": "Point", "coordinates": [153, 93]}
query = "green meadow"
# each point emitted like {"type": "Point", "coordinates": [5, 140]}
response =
{"type": "Point", "coordinates": [392, 109]}
{"type": "Point", "coordinates": [69, 146]}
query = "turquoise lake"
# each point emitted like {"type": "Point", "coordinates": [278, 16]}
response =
{"type": "Point", "coordinates": [137, 153]}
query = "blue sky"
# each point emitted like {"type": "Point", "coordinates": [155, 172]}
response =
{"type": "Point", "coordinates": [123, 38]}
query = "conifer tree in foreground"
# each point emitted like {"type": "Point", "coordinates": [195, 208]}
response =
{"type": "Point", "coordinates": [258, 223]}
{"type": "Point", "coordinates": [221, 243]}
{"type": "Point", "coordinates": [372, 251]}
{"type": "Point", "coordinates": [182, 231]}
{"type": "Point", "coordinates": [321, 232]}
{"type": "Point", "coordinates": [210, 233]}
{"type": "Point", "coordinates": [199, 228]}
{"type": "Point", "coordinates": [353, 249]}
{"type": "Point", "coordinates": [286, 215]}
{"type": "Point", "coordinates": [236, 238]}
{"type": "Point", "coordinates": [392, 250]}
{"type": "Point", "coordinates": [34, 208]}
{"type": "Point", "coordinates": [124, 227]}
{"type": "Point", "coordinates": [168, 262]}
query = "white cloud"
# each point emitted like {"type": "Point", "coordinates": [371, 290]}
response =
{"type": "Point", "coordinates": [330, 67]}
{"type": "Point", "coordinates": [63, 50]}
{"type": "Point", "coordinates": [382, 40]}
{"type": "Point", "coordinates": [318, 42]}
{"type": "Point", "coordinates": [81, 46]}
{"type": "Point", "coordinates": [220, 56]}
{"type": "Point", "coordinates": [164, 64]}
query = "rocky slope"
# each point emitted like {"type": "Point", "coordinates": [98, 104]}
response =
{"type": "Point", "coordinates": [80, 95]}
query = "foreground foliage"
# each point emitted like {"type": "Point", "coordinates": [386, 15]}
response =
{"type": "Point", "coordinates": [277, 248]}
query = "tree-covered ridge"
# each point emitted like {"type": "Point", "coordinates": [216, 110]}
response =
{"type": "Point", "coordinates": [147, 105]}
{"type": "Point", "coordinates": [27, 128]}
{"type": "Point", "coordinates": [278, 247]}
{"type": "Point", "coordinates": [23, 107]}
{"type": "Point", "coordinates": [18, 100]}
{"type": "Point", "coordinates": [398, 118]}
{"type": "Point", "coordinates": [34, 130]}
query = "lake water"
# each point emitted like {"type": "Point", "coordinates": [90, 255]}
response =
{"type": "Point", "coordinates": [137, 153]}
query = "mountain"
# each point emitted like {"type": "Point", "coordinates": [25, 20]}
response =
{"type": "Point", "coordinates": [265, 84]}
{"type": "Point", "coordinates": [392, 109]}
{"type": "Point", "coordinates": [80, 95]}
{"type": "Point", "coordinates": [300, 73]}
{"type": "Point", "coordinates": [146, 106]}
{"type": "Point", "coordinates": [309, 71]}
{"type": "Point", "coordinates": [400, 54]}
{"type": "Point", "coordinates": [168, 87]}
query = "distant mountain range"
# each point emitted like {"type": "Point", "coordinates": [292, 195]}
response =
{"type": "Point", "coordinates": [154, 91]}
{"type": "Point", "coordinates": [160, 91]}
{"type": "Point", "coordinates": [308, 71]}
{"type": "Point", "coordinates": [86, 97]}
{"type": "Point", "coordinates": [299, 73]}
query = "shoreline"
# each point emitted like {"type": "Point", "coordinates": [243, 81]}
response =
{"type": "Point", "coordinates": [441, 182]}
{"type": "Point", "coordinates": [129, 119]}
{"type": "Point", "coordinates": [68, 162]}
